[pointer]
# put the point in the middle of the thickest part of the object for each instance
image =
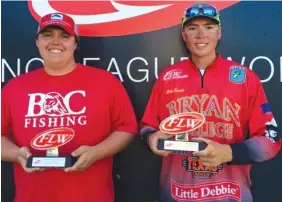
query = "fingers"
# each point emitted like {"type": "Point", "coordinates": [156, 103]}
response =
{"type": "Point", "coordinates": [153, 142]}
{"type": "Point", "coordinates": [32, 170]}
{"type": "Point", "coordinates": [80, 151]}
{"type": "Point", "coordinates": [208, 151]}
{"type": "Point", "coordinates": [22, 161]}
{"type": "Point", "coordinates": [24, 152]}
{"type": "Point", "coordinates": [85, 159]}
{"type": "Point", "coordinates": [79, 165]}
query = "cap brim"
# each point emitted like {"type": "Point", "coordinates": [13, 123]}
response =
{"type": "Point", "coordinates": [58, 26]}
{"type": "Point", "coordinates": [199, 16]}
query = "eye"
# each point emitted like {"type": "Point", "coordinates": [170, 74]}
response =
{"type": "Point", "coordinates": [46, 34]}
{"type": "Point", "coordinates": [209, 27]}
{"type": "Point", "coordinates": [191, 28]}
{"type": "Point", "coordinates": [66, 36]}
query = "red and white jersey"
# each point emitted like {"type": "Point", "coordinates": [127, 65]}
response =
{"type": "Point", "coordinates": [87, 104]}
{"type": "Point", "coordinates": [232, 99]}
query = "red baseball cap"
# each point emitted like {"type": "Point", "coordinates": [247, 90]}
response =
{"type": "Point", "coordinates": [58, 19]}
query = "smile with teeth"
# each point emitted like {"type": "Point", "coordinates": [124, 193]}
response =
{"type": "Point", "coordinates": [55, 50]}
{"type": "Point", "coordinates": [201, 44]}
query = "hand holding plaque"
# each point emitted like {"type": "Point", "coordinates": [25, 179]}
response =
{"type": "Point", "coordinates": [180, 125]}
{"type": "Point", "coordinates": [50, 141]}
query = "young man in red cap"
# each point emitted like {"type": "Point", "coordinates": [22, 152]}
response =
{"type": "Point", "coordinates": [239, 129]}
{"type": "Point", "coordinates": [82, 111]}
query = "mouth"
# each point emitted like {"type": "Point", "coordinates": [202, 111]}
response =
{"type": "Point", "coordinates": [201, 45]}
{"type": "Point", "coordinates": [53, 50]}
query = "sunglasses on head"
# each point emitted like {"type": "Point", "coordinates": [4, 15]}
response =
{"type": "Point", "coordinates": [206, 11]}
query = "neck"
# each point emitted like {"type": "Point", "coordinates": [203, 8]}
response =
{"type": "Point", "coordinates": [203, 62]}
{"type": "Point", "coordinates": [59, 69]}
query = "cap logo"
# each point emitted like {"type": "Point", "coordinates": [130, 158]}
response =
{"type": "Point", "coordinates": [56, 16]}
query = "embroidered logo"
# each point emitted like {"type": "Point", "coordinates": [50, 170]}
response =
{"type": "Point", "coordinates": [237, 74]}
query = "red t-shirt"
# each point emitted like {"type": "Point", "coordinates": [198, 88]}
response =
{"type": "Point", "coordinates": [89, 101]}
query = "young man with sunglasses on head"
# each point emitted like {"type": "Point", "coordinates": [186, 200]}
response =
{"type": "Point", "coordinates": [85, 110]}
{"type": "Point", "coordinates": [239, 128]}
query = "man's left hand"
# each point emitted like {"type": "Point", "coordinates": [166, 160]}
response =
{"type": "Point", "coordinates": [214, 154]}
{"type": "Point", "coordinates": [85, 155]}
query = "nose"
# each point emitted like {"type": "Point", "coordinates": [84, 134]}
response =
{"type": "Point", "coordinates": [56, 39]}
{"type": "Point", "coordinates": [201, 32]}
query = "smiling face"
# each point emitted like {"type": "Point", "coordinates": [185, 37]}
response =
{"type": "Point", "coordinates": [201, 36]}
{"type": "Point", "coordinates": [56, 47]}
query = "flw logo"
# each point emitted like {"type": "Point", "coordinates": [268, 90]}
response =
{"type": "Point", "coordinates": [182, 123]}
{"type": "Point", "coordinates": [117, 18]}
{"type": "Point", "coordinates": [52, 138]}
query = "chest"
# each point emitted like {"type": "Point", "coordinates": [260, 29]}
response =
{"type": "Point", "coordinates": [59, 113]}
{"type": "Point", "coordinates": [199, 93]}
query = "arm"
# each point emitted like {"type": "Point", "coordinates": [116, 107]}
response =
{"type": "Point", "coordinates": [264, 142]}
{"type": "Point", "coordinates": [150, 120]}
{"type": "Point", "coordinates": [9, 151]}
{"type": "Point", "coordinates": [112, 145]}
{"type": "Point", "coordinates": [12, 153]}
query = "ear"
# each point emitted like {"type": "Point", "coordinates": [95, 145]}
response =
{"type": "Point", "coordinates": [36, 42]}
{"type": "Point", "coordinates": [183, 35]}
{"type": "Point", "coordinates": [219, 33]}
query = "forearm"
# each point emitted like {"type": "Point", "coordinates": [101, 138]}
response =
{"type": "Point", "coordinates": [115, 143]}
{"type": "Point", "coordinates": [256, 149]}
{"type": "Point", "coordinates": [9, 150]}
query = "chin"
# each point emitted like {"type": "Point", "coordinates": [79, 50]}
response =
{"type": "Point", "coordinates": [54, 62]}
{"type": "Point", "coordinates": [201, 54]}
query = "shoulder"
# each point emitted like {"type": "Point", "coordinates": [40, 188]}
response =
{"type": "Point", "coordinates": [24, 78]}
{"type": "Point", "coordinates": [237, 70]}
{"type": "Point", "coordinates": [98, 74]}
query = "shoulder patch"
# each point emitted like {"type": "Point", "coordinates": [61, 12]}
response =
{"type": "Point", "coordinates": [237, 74]}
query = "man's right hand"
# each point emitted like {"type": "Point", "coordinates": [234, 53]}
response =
{"type": "Point", "coordinates": [153, 142]}
{"type": "Point", "coordinates": [24, 153]}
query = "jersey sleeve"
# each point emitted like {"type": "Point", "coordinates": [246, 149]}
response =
{"type": "Point", "coordinates": [264, 142]}
{"type": "Point", "coordinates": [151, 117]}
{"type": "Point", "coordinates": [122, 114]}
{"type": "Point", "coordinates": [6, 118]}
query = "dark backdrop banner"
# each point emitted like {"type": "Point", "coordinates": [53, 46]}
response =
{"type": "Point", "coordinates": [135, 41]}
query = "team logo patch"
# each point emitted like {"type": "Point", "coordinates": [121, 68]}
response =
{"type": "Point", "coordinates": [237, 74]}
{"type": "Point", "coordinates": [198, 170]}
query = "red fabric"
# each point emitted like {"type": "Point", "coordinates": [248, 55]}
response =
{"type": "Point", "coordinates": [91, 102]}
{"type": "Point", "coordinates": [58, 19]}
{"type": "Point", "coordinates": [234, 105]}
